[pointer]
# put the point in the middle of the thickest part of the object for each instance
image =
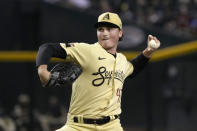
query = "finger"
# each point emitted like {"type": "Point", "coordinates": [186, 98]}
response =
{"type": "Point", "coordinates": [156, 40]}
{"type": "Point", "coordinates": [150, 37]}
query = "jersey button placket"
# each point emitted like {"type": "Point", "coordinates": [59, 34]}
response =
{"type": "Point", "coordinates": [113, 81]}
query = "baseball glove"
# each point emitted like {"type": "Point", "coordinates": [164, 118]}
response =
{"type": "Point", "coordinates": [62, 74]}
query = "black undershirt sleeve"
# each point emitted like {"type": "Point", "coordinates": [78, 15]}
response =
{"type": "Point", "coordinates": [138, 64]}
{"type": "Point", "coordinates": [48, 50]}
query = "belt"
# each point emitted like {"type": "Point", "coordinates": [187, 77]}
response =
{"type": "Point", "coordinates": [99, 121]}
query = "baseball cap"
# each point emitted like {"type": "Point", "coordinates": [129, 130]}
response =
{"type": "Point", "coordinates": [108, 18]}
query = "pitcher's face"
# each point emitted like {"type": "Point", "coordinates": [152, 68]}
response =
{"type": "Point", "coordinates": [108, 37]}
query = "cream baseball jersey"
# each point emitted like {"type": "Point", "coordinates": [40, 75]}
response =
{"type": "Point", "coordinates": [98, 90]}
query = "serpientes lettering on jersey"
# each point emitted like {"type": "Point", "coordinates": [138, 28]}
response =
{"type": "Point", "coordinates": [103, 75]}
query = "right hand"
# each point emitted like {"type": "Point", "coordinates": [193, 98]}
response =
{"type": "Point", "coordinates": [44, 74]}
{"type": "Point", "coordinates": [157, 42]}
{"type": "Point", "coordinates": [149, 50]}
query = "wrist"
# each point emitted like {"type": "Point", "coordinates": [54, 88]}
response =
{"type": "Point", "coordinates": [44, 74]}
{"type": "Point", "coordinates": [148, 52]}
{"type": "Point", "coordinates": [42, 68]}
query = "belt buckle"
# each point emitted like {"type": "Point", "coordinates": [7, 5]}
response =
{"type": "Point", "coordinates": [95, 122]}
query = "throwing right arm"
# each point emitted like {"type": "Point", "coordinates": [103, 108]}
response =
{"type": "Point", "coordinates": [141, 60]}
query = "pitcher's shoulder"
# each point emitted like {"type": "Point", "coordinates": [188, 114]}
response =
{"type": "Point", "coordinates": [85, 44]}
{"type": "Point", "coordinates": [122, 56]}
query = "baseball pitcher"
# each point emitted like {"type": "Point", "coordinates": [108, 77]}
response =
{"type": "Point", "coordinates": [96, 92]}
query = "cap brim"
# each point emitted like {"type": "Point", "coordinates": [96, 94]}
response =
{"type": "Point", "coordinates": [106, 24]}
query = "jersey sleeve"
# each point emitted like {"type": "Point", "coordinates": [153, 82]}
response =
{"type": "Point", "coordinates": [77, 53]}
{"type": "Point", "coordinates": [129, 68]}
{"type": "Point", "coordinates": [138, 63]}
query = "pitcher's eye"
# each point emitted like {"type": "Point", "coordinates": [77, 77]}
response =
{"type": "Point", "coordinates": [100, 29]}
{"type": "Point", "coordinates": [109, 28]}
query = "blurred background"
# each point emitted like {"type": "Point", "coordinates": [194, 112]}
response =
{"type": "Point", "coordinates": [161, 98]}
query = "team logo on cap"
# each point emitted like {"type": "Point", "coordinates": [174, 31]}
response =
{"type": "Point", "coordinates": [106, 17]}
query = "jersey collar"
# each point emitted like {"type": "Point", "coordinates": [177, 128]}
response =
{"type": "Point", "coordinates": [99, 45]}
